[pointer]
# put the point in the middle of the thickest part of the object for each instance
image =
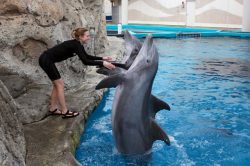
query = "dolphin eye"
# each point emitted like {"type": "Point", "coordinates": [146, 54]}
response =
{"type": "Point", "coordinates": [148, 61]}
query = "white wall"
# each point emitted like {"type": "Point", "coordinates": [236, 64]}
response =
{"type": "Point", "coordinates": [190, 12]}
{"type": "Point", "coordinates": [156, 12]}
{"type": "Point", "coordinates": [107, 8]}
{"type": "Point", "coordinates": [116, 14]}
{"type": "Point", "coordinates": [213, 13]}
{"type": "Point", "coordinates": [246, 17]}
{"type": "Point", "coordinates": [219, 13]}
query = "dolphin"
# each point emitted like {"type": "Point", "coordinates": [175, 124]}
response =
{"type": "Point", "coordinates": [134, 108]}
{"type": "Point", "coordinates": [132, 48]}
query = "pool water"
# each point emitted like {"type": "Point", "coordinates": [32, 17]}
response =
{"type": "Point", "coordinates": [206, 81]}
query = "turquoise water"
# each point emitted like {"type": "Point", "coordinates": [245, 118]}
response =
{"type": "Point", "coordinates": [206, 81]}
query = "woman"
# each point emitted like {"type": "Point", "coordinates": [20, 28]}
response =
{"type": "Point", "coordinates": [60, 53]}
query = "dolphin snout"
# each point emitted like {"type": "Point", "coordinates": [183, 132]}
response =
{"type": "Point", "coordinates": [167, 141]}
{"type": "Point", "coordinates": [167, 107]}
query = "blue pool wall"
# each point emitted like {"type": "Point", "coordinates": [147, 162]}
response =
{"type": "Point", "coordinates": [172, 32]}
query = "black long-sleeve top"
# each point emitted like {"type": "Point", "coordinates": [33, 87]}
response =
{"type": "Point", "coordinates": [68, 49]}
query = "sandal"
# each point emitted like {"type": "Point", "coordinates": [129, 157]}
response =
{"type": "Point", "coordinates": [70, 114]}
{"type": "Point", "coordinates": [55, 112]}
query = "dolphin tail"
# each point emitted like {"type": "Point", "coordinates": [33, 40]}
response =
{"type": "Point", "coordinates": [158, 133]}
{"type": "Point", "coordinates": [158, 105]}
{"type": "Point", "coordinates": [111, 82]}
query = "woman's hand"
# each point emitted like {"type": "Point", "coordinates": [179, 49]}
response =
{"type": "Point", "coordinates": [107, 58]}
{"type": "Point", "coordinates": [108, 65]}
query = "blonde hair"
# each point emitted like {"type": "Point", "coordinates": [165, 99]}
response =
{"type": "Point", "coordinates": [78, 32]}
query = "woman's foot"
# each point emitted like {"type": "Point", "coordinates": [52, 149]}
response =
{"type": "Point", "coordinates": [55, 112]}
{"type": "Point", "coordinates": [70, 114]}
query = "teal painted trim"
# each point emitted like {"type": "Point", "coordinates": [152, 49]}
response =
{"type": "Point", "coordinates": [209, 34]}
{"type": "Point", "coordinates": [141, 31]}
{"type": "Point", "coordinates": [160, 28]}
{"type": "Point", "coordinates": [235, 34]}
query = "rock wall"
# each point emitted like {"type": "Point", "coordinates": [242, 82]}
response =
{"type": "Point", "coordinates": [28, 28]}
{"type": "Point", "coordinates": [12, 142]}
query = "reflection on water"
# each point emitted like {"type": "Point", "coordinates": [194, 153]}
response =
{"type": "Point", "coordinates": [227, 67]}
{"type": "Point", "coordinates": [206, 82]}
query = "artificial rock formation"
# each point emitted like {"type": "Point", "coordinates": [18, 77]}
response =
{"type": "Point", "coordinates": [28, 28]}
{"type": "Point", "coordinates": [12, 143]}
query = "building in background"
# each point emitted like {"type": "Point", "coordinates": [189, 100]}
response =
{"type": "Point", "coordinates": [119, 10]}
{"type": "Point", "coordinates": [108, 10]}
{"type": "Point", "coordinates": [225, 14]}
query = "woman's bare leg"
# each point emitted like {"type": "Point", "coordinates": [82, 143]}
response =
{"type": "Point", "coordinates": [53, 100]}
{"type": "Point", "coordinates": [59, 87]}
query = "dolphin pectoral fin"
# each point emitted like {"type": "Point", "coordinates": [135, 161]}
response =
{"type": "Point", "coordinates": [158, 133]}
{"type": "Point", "coordinates": [103, 71]}
{"type": "Point", "coordinates": [158, 104]}
{"type": "Point", "coordinates": [111, 82]}
{"type": "Point", "coordinates": [107, 72]}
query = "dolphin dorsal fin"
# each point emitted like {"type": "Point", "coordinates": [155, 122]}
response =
{"type": "Point", "coordinates": [158, 133]}
{"type": "Point", "coordinates": [158, 104]}
{"type": "Point", "coordinates": [111, 81]}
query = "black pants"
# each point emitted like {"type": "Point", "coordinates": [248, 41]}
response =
{"type": "Point", "coordinates": [49, 67]}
